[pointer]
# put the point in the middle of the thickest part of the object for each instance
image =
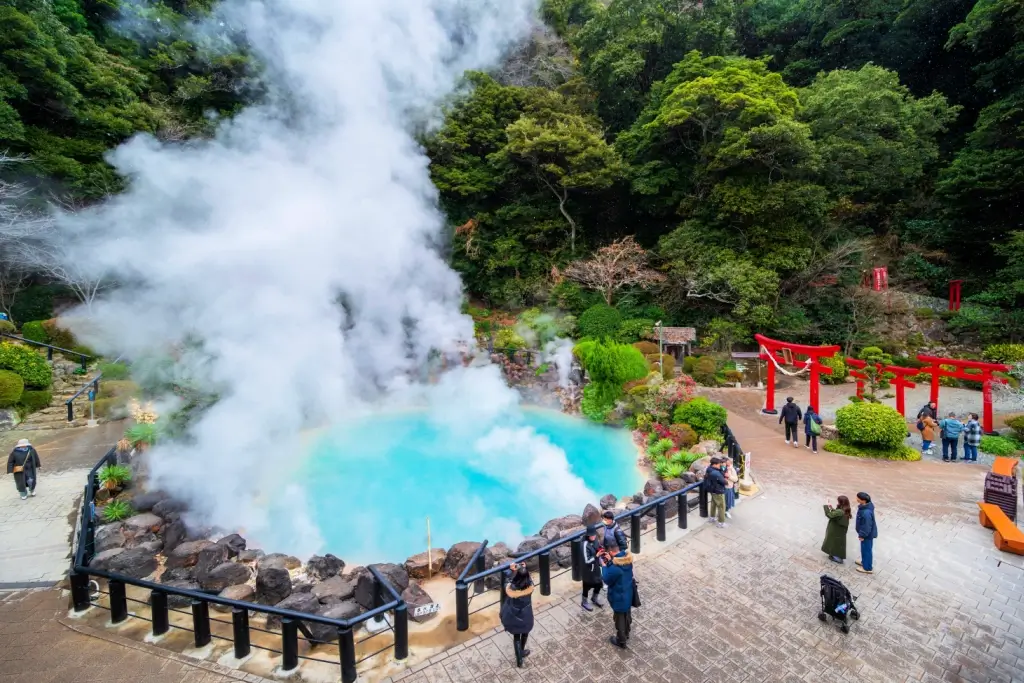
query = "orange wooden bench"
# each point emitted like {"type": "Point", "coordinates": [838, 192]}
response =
{"type": "Point", "coordinates": [1007, 537]}
{"type": "Point", "coordinates": [1005, 466]}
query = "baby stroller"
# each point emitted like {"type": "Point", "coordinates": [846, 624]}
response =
{"type": "Point", "coordinates": [838, 602]}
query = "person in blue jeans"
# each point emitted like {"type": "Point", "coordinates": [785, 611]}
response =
{"type": "Point", "coordinates": [949, 430]}
{"type": "Point", "coordinates": [972, 438]}
{"type": "Point", "coordinates": [867, 532]}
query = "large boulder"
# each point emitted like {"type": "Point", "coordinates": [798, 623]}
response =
{"type": "Point", "coordinates": [334, 589]}
{"type": "Point", "coordinates": [297, 602]}
{"type": "Point", "coordinates": [529, 544]}
{"type": "Point", "coordinates": [553, 528]}
{"type": "Point", "coordinates": [366, 585]}
{"type": "Point", "coordinates": [180, 601]}
{"type": "Point", "coordinates": [653, 488]}
{"type": "Point", "coordinates": [242, 592]}
{"type": "Point", "coordinates": [251, 555]}
{"type": "Point", "coordinates": [414, 597]}
{"type": "Point", "coordinates": [322, 567]}
{"type": "Point", "coordinates": [168, 509]}
{"type": "Point", "coordinates": [700, 466]}
{"type": "Point", "coordinates": [137, 563]}
{"type": "Point", "coordinates": [234, 543]}
{"type": "Point", "coordinates": [223, 575]}
{"type": "Point", "coordinates": [420, 567]}
{"type": "Point", "coordinates": [109, 536]}
{"type": "Point", "coordinates": [101, 560]}
{"type": "Point", "coordinates": [149, 541]}
{"type": "Point", "coordinates": [494, 556]}
{"type": "Point", "coordinates": [458, 557]}
{"type": "Point", "coordinates": [273, 584]}
{"type": "Point", "coordinates": [145, 501]}
{"type": "Point", "coordinates": [145, 523]}
{"type": "Point", "coordinates": [562, 556]}
{"type": "Point", "coordinates": [591, 515]}
{"type": "Point", "coordinates": [335, 610]}
{"type": "Point", "coordinates": [210, 557]}
{"type": "Point", "coordinates": [178, 574]}
{"type": "Point", "coordinates": [175, 534]}
{"type": "Point", "coordinates": [709, 447]}
{"type": "Point", "coordinates": [609, 501]}
{"type": "Point", "coordinates": [690, 478]}
{"type": "Point", "coordinates": [279, 560]}
{"type": "Point", "coordinates": [186, 554]}
{"type": "Point", "coordinates": [670, 485]}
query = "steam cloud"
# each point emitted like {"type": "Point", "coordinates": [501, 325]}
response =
{"type": "Point", "coordinates": [299, 246]}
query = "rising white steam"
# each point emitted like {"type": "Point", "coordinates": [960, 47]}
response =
{"type": "Point", "coordinates": [299, 247]}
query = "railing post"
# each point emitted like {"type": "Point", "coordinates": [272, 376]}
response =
{"type": "Point", "coordinates": [201, 622]}
{"type": "Point", "coordinates": [659, 520]}
{"type": "Point", "coordinates": [158, 610]}
{"type": "Point", "coordinates": [84, 363]}
{"type": "Point", "coordinates": [634, 534]}
{"type": "Point", "coordinates": [347, 650]}
{"type": "Point", "coordinates": [702, 501]}
{"type": "Point", "coordinates": [461, 606]}
{"type": "Point", "coordinates": [684, 510]}
{"type": "Point", "coordinates": [378, 598]}
{"type": "Point", "coordinates": [118, 602]}
{"type": "Point", "coordinates": [240, 627]}
{"type": "Point", "coordinates": [49, 353]}
{"type": "Point", "coordinates": [576, 555]}
{"type": "Point", "coordinates": [545, 573]}
{"type": "Point", "coordinates": [401, 627]}
{"type": "Point", "coordinates": [289, 645]}
{"type": "Point", "coordinates": [80, 591]}
{"type": "Point", "coordinates": [71, 410]}
{"type": "Point", "coordinates": [479, 566]}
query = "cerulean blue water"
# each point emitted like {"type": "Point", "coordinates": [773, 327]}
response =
{"type": "Point", "coordinates": [371, 484]}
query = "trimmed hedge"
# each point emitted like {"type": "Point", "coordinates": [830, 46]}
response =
{"type": "Point", "coordinates": [599, 321]}
{"type": "Point", "coordinates": [11, 388]}
{"type": "Point", "coordinates": [861, 451]}
{"type": "Point", "coordinates": [25, 362]}
{"type": "Point", "coordinates": [33, 400]}
{"type": "Point", "coordinates": [647, 348]}
{"type": "Point", "coordinates": [706, 418]}
{"type": "Point", "coordinates": [871, 424]}
{"type": "Point", "coordinates": [34, 331]}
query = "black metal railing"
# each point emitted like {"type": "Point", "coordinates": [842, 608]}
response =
{"type": "Point", "coordinates": [477, 562]}
{"type": "Point", "coordinates": [70, 403]}
{"type": "Point", "coordinates": [386, 599]}
{"type": "Point", "coordinates": [82, 357]}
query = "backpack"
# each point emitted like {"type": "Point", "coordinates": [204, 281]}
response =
{"type": "Point", "coordinates": [815, 427]}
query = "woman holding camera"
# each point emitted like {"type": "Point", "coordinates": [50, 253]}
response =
{"type": "Point", "coordinates": [517, 610]}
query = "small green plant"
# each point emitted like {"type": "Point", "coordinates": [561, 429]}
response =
{"type": "Point", "coordinates": [142, 433]}
{"type": "Point", "coordinates": [998, 445]}
{"type": "Point", "coordinates": [508, 338]}
{"type": "Point", "coordinates": [660, 447]}
{"type": "Point", "coordinates": [541, 369]}
{"type": "Point", "coordinates": [855, 399]}
{"type": "Point", "coordinates": [871, 424]}
{"type": "Point", "coordinates": [116, 510]}
{"type": "Point", "coordinates": [12, 386]}
{"type": "Point", "coordinates": [634, 330]}
{"type": "Point", "coordinates": [706, 418]}
{"type": "Point", "coordinates": [862, 451]}
{"type": "Point", "coordinates": [114, 476]}
{"type": "Point", "coordinates": [667, 469]}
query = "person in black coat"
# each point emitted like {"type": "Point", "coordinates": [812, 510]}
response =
{"type": "Point", "coordinates": [23, 463]}
{"type": "Point", "coordinates": [591, 573]}
{"type": "Point", "coordinates": [791, 416]}
{"type": "Point", "coordinates": [517, 610]}
{"type": "Point", "coordinates": [715, 484]}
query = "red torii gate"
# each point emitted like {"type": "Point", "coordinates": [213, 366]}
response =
{"type": "Point", "coordinates": [983, 375]}
{"type": "Point", "coordinates": [900, 380]}
{"type": "Point", "coordinates": [781, 352]}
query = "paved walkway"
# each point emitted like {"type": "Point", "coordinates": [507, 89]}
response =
{"type": "Point", "coordinates": [34, 533]}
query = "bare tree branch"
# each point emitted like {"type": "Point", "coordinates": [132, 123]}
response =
{"type": "Point", "coordinates": [620, 264]}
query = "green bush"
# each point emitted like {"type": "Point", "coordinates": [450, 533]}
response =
{"type": "Point", "coordinates": [635, 329]}
{"type": "Point", "coordinates": [706, 418]}
{"type": "Point", "coordinates": [59, 336]}
{"type": "Point", "coordinates": [871, 424]}
{"type": "Point", "coordinates": [647, 348]}
{"type": "Point", "coordinates": [507, 338]}
{"type": "Point", "coordinates": [838, 366]}
{"type": "Point", "coordinates": [116, 510]}
{"type": "Point", "coordinates": [600, 321]}
{"type": "Point", "coordinates": [668, 364]}
{"type": "Point", "coordinates": [689, 363]}
{"type": "Point", "coordinates": [33, 400]}
{"type": "Point", "coordinates": [1004, 353]}
{"type": "Point", "coordinates": [998, 445]}
{"type": "Point", "coordinates": [660, 448]}
{"type": "Point", "coordinates": [11, 388]}
{"type": "Point", "coordinates": [704, 371]}
{"type": "Point", "coordinates": [34, 331]}
{"type": "Point", "coordinates": [900, 452]}
{"type": "Point", "coordinates": [1017, 425]}
{"type": "Point", "coordinates": [7, 327]}
{"type": "Point", "coordinates": [31, 366]}
{"type": "Point", "coordinates": [115, 371]}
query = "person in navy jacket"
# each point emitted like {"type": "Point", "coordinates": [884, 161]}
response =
{"type": "Point", "coordinates": [867, 532]}
{"type": "Point", "coordinates": [617, 572]}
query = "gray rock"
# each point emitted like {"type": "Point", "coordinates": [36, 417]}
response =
{"type": "Point", "coordinates": [335, 610]}
{"type": "Point", "coordinates": [145, 501]}
{"type": "Point", "coordinates": [234, 543]}
{"type": "Point", "coordinates": [336, 588]}
{"type": "Point", "coordinates": [251, 555]}
{"type": "Point", "coordinates": [302, 587]}
{"type": "Point", "coordinates": [366, 585]}
{"type": "Point", "coordinates": [273, 584]}
{"type": "Point", "coordinates": [298, 602]}
{"type": "Point", "coordinates": [137, 563]}
{"type": "Point", "coordinates": [638, 498]}
{"type": "Point", "coordinates": [179, 601]}
{"type": "Point", "coordinates": [530, 544]}
{"type": "Point", "coordinates": [562, 556]}
{"type": "Point", "coordinates": [591, 515]}
{"type": "Point", "coordinates": [175, 534]}
{"type": "Point", "coordinates": [167, 508]}
{"type": "Point", "coordinates": [553, 528]}
{"type": "Point", "coordinates": [322, 567]}
{"type": "Point", "coordinates": [178, 574]}
{"type": "Point", "coordinates": [458, 557]}
{"type": "Point", "coordinates": [690, 478]}
{"type": "Point", "coordinates": [243, 592]}
{"type": "Point", "coordinates": [414, 597]}
{"type": "Point", "coordinates": [279, 560]}
{"type": "Point", "coordinates": [223, 575]}
{"type": "Point", "coordinates": [186, 554]}
{"type": "Point", "coordinates": [670, 485]}
{"type": "Point", "coordinates": [101, 560]}
{"type": "Point", "coordinates": [419, 567]}
{"type": "Point", "coordinates": [210, 557]}
{"type": "Point", "coordinates": [653, 488]}
{"type": "Point", "coordinates": [609, 501]}
{"type": "Point", "coordinates": [146, 523]}
{"type": "Point", "coordinates": [110, 536]}
{"type": "Point", "coordinates": [8, 418]}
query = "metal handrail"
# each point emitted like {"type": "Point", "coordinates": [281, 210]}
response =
{"type": "Point", "coordinates": [94, 383]}
{"type": "Point", "coordinates": [49, 348]}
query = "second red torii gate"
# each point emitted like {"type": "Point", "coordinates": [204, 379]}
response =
{"type": "Point", "coordinates": [773, 351]}
{"type": "Point", "coordinates": [900, 380]}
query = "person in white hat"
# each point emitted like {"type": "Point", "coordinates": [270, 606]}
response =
{"type": "Point", "coordinates": [23, 463]}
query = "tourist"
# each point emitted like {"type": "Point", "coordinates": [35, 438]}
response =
{"type": "Point", "coordinates": [731, 480]}
{"type": "Point", "coordinates": [617, 571]}
{"type": "Point", "coordinates": [517, 610]}
{"type": "Point", "coordinates": [838, 526]}
{"type": "Point", "coordinates": [791, 416]}
{"type": "Point", "coordinates": [972, 438]}
{"type": "Point", "coordinates": [715, 485]}
{"type": "Point", "coordinates": [949, 430]}
{"type": "Point", "coordinates": [928, 427]}
{"type": "Point", "coordinates": [930, 409]}
{"type": "Point", "coordinates": [591, 573]}
{"type": "Point", "coordinates": [812, 428]}
{"type": "Point", "coordinates": [23, 463]}
{"type": "Point", "coordinates": [867, 532]}
{"type": "Point", "coordinates": [612, 533]}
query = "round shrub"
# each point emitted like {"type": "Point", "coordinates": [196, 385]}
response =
{"type": "Point", "coordinates": [706, 418]}
{"type": "Point", "coordinates": [646, 347]}
{"type": "Point", "coordinates": [704, 371]}
{"type": "Point", "coordinates": [33, 400]}
{"type": "Point", "coordinates": [689, 364]}
{"type": "Point", "coordinates": [635, 329]}
{"type": "Point", "coordinates": [11, 388]}
{"type": "Point", "coordinates": [668, 364]}
{"type": "Point", "coordinates": [1017, 425]}
{"type": "Point", "coordinates": [862, 451]}
{"type": "Point", "coordinates": [871, 424]}
{"type": "Point", "coordinates": [7, 327]}
{"type": "Point", "coordinates": [682, 435]}
{"type": "Point", "coordinates": [59, 336]}
{"type": "Point", "coordinates": [599, 321]}
{"type": "Point", "coordinates": [838, 366]}
{"type": "Point", "coordinates": [34, 331]}
{"type": "Point", "coordinates": [31, 366]}
{"type": "Point", "coordinates": [1004, 353]}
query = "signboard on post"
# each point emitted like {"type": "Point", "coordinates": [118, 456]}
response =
{"type": "Point", "coordinates": [424, 610]}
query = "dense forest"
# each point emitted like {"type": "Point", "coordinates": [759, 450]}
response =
{"type": "Point", "coordinates": [763, 153]}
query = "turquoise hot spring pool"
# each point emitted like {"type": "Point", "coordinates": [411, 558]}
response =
{"type": "Point", "coordinates": [371, 484]}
